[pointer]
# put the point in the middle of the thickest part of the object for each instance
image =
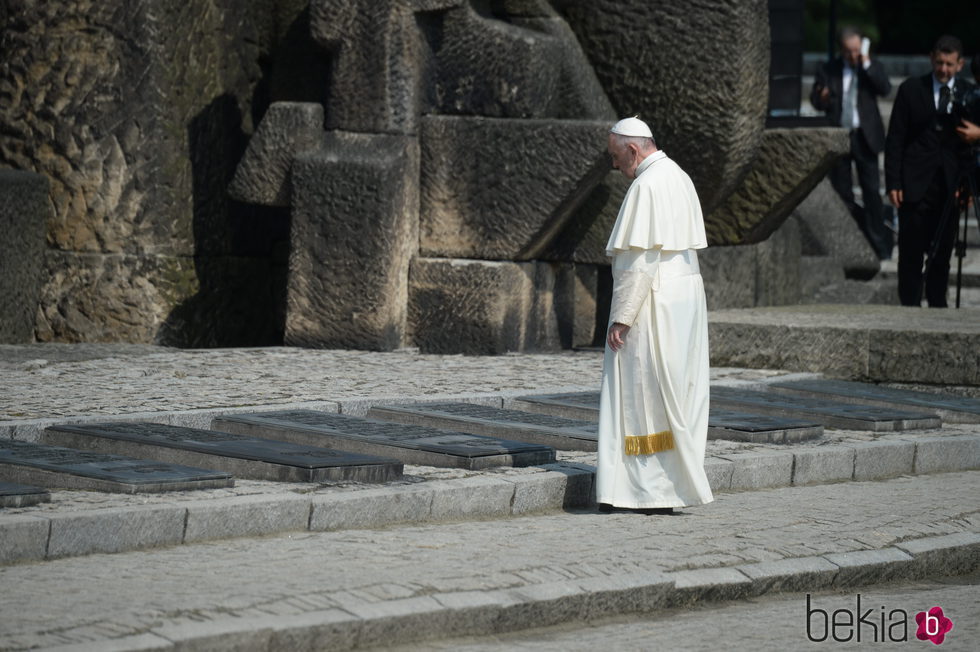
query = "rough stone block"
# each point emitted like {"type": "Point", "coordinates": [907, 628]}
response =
{"type": "Point", "coordinates": [263, 174]}
{"type": "Point", "coordinates": [796, 574]}
{"type": "Point", "coordinates": [24, 211]}
{"type": "Point", "coordinates": [371, 508]}
{"type": "Point", "coordinates": [729, 275]}
{"type": "Point", "coordinates": [170, 300]}
{"type": "Point", "coordinates": [713, 130]}
{"type": "Point", "coordinates": [828, 229]}
{"type": "Point", "coordinates": [777, 278]}
{"type": "Point", "coordinates": [760, 470]}
{"type": "Point", "coordinates": [115, 530]}
{"type": "Point", "coordinates": [952, 554]}
{"type": "Point", "coordinates": [471, 498]}
{"type": "Point", "coordinates": [876, 460]}
{"type": "Point", "coordinates": [476, 307]}
{"type": "Point", "coordinates": [791, 162]}
{"type": "Point", "coordinates": [864, 567]}
{"type": "Point", "coordinates": [817, 273]}
{"type": "Point", "coordinates": [24, 538]}
{"type": "Point", "coordinates": [823, 464]}
{"type": "Point", "coordinates": [509, 202]}
{"type": "Point", "coordinates": [354, 232]}
{"type": "Point", "coordinates": [940, 454]}
{"type": "Point", "coordinates": [575, 304]}
{"type": "Point", "coordinates": [246, 516]}
{"type": "Point", "coordinates": [942, 354]}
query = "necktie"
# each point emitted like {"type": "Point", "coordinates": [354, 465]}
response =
{"type": "Point", "coordinates": [847, 106]}
{"type": "Point", "coordinates": [943, 99]}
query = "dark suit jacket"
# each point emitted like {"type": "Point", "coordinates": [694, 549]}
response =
{"type": "Point", "coordinates": [915, 148]}
{"type": "Point", "coordinates": [872, 83]}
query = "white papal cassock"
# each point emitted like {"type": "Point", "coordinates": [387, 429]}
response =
{"type": "Point", "coordinates": [653, 411]}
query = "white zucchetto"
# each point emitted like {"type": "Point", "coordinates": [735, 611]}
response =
{"type": "Point", "coordinates": [633, 127]}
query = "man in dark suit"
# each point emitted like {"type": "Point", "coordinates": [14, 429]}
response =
{"type": "Point", "coordinates": [847, 89]}
{"type": "Point", "coordinates": [922, 163]}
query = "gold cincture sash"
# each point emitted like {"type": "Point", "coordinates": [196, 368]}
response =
{"type": "Point", "coordinates": [650, 444]}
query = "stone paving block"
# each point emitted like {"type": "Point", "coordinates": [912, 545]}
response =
{"type": "Point", "coordinates": [115, 530]}
{"type": "Point", "coordinates": [760, 470]}
{"type": "Point", "coordinates": [940, 454]}
{"type": "Point", "coordinates": [719, 473]}
{"type": "Point", "coordinates": [134, 643]}
{"type": "Point", "coordinates": [231, 635]}
{"type": "Point", "coordinates": [329, 629]}
{"type": "Point", "coordinates": [823, 464]}
{"type": "Point", "coordinates": [541, 605]}
{"type": "Point", "coordinates": [402, 620]}
{"type": "Point", "coordinates": [875, 460]}
{"type": "Point", "coordinates": [952, 554]}
{"type": "Point", "coordinates": [203, 418]}
{"type": "Point", "coordinates": [861, 567]}
{"type": "Point", "coordinates": [371, 508]}
{"type": "Point", "coordinates": [795, 574]}
{"type": "Point", "coordinates": [471, 498]}
{"type": "Point", "coordinates": [707, 584]}
{"type": "Point", "coordinates": [246, 516]}
{"type": "Point", "coordinates": [579, 481]}
{"type": "Point", "coordinates": [537, 492]}
{"type": "Point", "coordinates": [475, 612]}
{"type": "Point", "coordinates": [23, 538]}
{"type": "Point", "coordinates": [613, 595]}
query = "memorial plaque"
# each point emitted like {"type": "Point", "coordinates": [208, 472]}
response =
{"type": "Point", "coordinates": [410, 444]}
{"type": "Point", "coordinates": [832, 414]}
{"type": "Point", "coordinates": [722, 423]}
{"type": "Point", "coordinates": [22, 495]}
{"type": "Point", "coordinates": [245, 457]}
{"type": "Point", "coordinates": [54, 466]}
{"type": "Point", "coordinates": [563, 434]}
{"type": "Point", "coordinates": [952, 409]}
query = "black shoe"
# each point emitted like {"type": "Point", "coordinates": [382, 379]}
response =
{"type": "Point", "coordinates": [605, 508]}
{"type": "Point", "coordinates": [653, 511]}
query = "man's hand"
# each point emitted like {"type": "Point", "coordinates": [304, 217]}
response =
{"type": "Point", "coordinates": [895, 196]}
{"type": "Point", "coordinates": [616, 336]}
{"type": "Point", "coordinates": [824, 94]}
{"type": "Point", "coordinates": [968, 131]}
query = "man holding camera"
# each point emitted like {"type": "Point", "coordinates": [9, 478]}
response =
{"type": "Point", "coordinates": [923, 155]}
{"type": "Point", "coordinates": [847, 89]}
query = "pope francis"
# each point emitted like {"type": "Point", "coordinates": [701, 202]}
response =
{"type": "Point", "coordinates": [653, 411]}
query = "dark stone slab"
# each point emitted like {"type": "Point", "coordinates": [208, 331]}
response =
{"type": "Point", "coordinates": [560, 433]}
{"type": "Point", "coordinates": [245, 457]}
{"type": "Point", "coordinates": [22, 495]}
{"type": "Point", "coordinates": [410, 444]}
{"type": "Point", "coordinates": [24, 210]}
{"type": "Point", "coordinates": [832, 414]}
{"type": "Point", "coordinates": [575, 405]}
{"type": "Point", "coordinates": [760, 428]}
{"type": "Point", "coordinates": [54, 466]}
{"type": "Point", "coordinates": [722, 423]}
{"type": "Point", "coordinates": [952, 409]}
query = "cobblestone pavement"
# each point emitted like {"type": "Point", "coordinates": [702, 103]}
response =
{"type": "Point", "coordinates": [774, 623]}
{"type": "Point", "coordinates": [225, 584]}
{"type": "Point", "coordinates": [55, 380]}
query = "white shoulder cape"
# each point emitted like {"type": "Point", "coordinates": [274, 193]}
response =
{"type": "Point", "coordinates": [661, 210]}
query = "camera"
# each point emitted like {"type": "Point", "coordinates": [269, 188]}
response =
{"type": "Point", "coordinates": [965, 104]}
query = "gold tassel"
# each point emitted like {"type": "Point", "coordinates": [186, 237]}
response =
{"type": "Point", "coordinates": [650, 444]}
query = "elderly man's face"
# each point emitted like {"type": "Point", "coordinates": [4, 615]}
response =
{"type": "Point", "coordinates": [850, 49]}
{"type": "Point", "coordinates": [945, 65]}
{"type": "Point", "coordinates": [625, 158]}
